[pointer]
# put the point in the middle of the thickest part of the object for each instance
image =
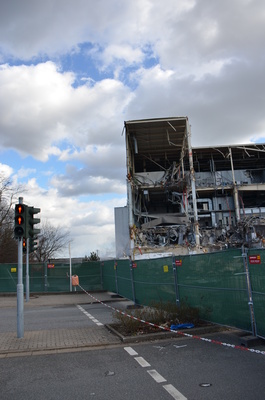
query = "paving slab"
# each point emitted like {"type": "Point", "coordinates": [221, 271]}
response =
{"type": "Point", "coordinates": [59, 339]}
{"type": "Point", "coordinates": [67, 339]}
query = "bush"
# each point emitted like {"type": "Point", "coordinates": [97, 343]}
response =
{"type": "Point", "coordinates": [159, 314]}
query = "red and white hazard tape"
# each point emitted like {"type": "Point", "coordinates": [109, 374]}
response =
{"type": "Point", "coordinates": [232, 346]}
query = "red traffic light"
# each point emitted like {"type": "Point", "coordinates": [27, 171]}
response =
{"type": "Point", "coordinates": [20, 208]}
{"type": "Point", "coordinates": [20, 226]}
{"type": "Point", "coordinates": [20, 220]}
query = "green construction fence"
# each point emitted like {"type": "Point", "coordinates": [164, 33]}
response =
{"type": "Point", "coordinates": [228, 287]}
{"type": "Point", "coordinates": [51, 278]}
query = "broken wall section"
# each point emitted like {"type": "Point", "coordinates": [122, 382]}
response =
{"type": "Point", "coordinates": [159, 184]}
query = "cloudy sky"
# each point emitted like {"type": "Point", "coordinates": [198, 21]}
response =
{"type": "Point", "coordinates": [71, 73]}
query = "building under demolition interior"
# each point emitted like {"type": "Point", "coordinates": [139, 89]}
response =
{"type": "Point", "coordinates": [183, 199]}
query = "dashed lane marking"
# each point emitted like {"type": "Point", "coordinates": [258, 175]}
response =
{"type": "Point", "coordinates": [130, 351]}
{"type": "Point", "coordinates": [142, 362]}
{"type": "Point", "coordinates": [174, 392]}
{"type": "Point", "coordinates": [156, 376]}
{"type": "Point", "coordinates": [93, 319]}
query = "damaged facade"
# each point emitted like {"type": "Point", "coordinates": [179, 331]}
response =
{"type": "Point", "coordinates": [183, 199]}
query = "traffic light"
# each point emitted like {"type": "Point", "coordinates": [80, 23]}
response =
{"type": "Point", "coordinates": [24, 245]}
{"type": "Point", "coordinates": [33, 244]}
{"type": "Point", "coordinates": [31, 221]}
{"type": "Point", "coordinates": [20, 220]}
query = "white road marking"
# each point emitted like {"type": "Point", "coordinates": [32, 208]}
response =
{"type": "Point", "coordinates": [142, 362]}
{"type": "Point", "coordinates": [174, 392]}
{"type": "Point", "coordinates": [93, 319]}
{"type": "Point", "coordinates": [130, 351]}
{"type": "Point", "coordinates": [156, 376]}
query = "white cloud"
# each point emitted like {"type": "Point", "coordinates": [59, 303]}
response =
{"type": "Point", "coordinates": [35, 28]}
{"type": "Point", "coordinates": [98, 157]}
{"type": "Point", "coordinates": [25, 172]}
{"type": "Point", "coordinates": [78, 183]}
{"type": "Point", "coordinates": [32, 99]}
{"type": "Point", "coordinates": [201, 59]}
{"type": "Point", "coordinates": [90, 223]}
{"type": "Point", "coordinates": [125, 53]}
{"type": "Point", "coordinates": [222, 108]}
{"type": "Point", "coordinates": [39, 108]}
{"type": "Point", "coordinates": [5, 171]}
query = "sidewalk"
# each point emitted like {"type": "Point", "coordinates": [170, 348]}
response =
{"type": "Point", "coordinates": [56, 299]}
{"type": "Point", "coordinates": [56, 340]}
{"type": "Point", "coordinates": [68, 339]}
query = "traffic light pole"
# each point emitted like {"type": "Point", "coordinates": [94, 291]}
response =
{"type": "Point", "coordinates": [27, 271]}
{"type": "Point", "coordinates": [20, 287]}
{"type": "Point", "coordinates": [24, 228]}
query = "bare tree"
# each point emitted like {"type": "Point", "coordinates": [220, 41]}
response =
{"type": "Point", "coordinates": [8, 246]}
{"type": "Point", "coordinates": [7, 193]}
{"type": "Point", "coordinates": [51, 241]}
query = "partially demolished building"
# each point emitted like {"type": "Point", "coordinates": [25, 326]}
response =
{"type": "Point", "coordinates": [183, 199]}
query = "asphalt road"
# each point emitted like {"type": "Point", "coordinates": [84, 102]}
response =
{"type": "Point", "coordinates": [178, 368]}
{"type": "Point", "coordinates": [173, 369]}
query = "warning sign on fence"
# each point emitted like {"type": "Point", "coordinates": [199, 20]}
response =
{"type": "Point", "coordinates": [255, 259]}
{"type": "Point", "coordinates": [165, 267]}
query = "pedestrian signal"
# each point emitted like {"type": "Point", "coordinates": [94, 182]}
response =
{"type": "Point", "coordinates": [20, 220]}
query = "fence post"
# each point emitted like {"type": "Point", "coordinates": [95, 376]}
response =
{"type": "Point", "coordinates": [45, 276]}
{"type": "Point", "coordinates": [101, 275]}
{"type": "Point", "coordinates": [250, 298]}
{"type": "Point", "coordinates": [133, 288]}
{"type": "Point", "coordinates": [116, 277]}
{"type": "Point", "coordinates": [175, 280]}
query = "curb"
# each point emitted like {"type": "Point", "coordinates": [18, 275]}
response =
{"type": "Point", "coordinates": [54, 350]}
{"type": "Point", "coordinates": [166, 335]}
